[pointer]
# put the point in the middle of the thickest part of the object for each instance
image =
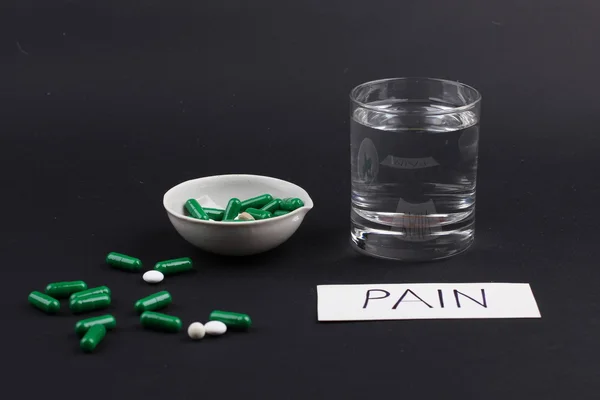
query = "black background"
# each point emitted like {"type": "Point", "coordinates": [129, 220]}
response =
{"type": "Point", "coordinates": [108, 104]}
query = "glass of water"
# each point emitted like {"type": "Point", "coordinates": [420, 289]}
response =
{"type": "Point", "coordinates": [414, 145]}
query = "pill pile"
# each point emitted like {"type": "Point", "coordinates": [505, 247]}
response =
{"type": "Point", "coordinates": [219, 322]}
{"type": "Point", "coordinates": [81, 300]}
{"type": "Point", "coordinates": [93, 330]}
{"type": "Point", "coordinates": [256, 208]}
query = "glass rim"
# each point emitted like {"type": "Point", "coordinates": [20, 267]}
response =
{"type": "Point", "coordinates": [404, 112]}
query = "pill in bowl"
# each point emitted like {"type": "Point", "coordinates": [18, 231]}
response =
{"type": "Point", "coordinates": [247, 214]}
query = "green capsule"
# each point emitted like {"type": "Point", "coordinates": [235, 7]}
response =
{"type": "Point", "coordinates": [279, 213]}
{"type": "Point", "coordinates": [272, 206]}
{"type": "Point", "coordinates": [256, 202]}
{"type": "Point", "coordinates": [92, 338]}
{"type": "Point", "coordinates": [60, 290]}
{"type": "Point", "coordinates": [160, 322]}
{"type": "Point", "coordinates": [291, 204]}
{"type": "Point", "coordinates": [44, 302]}
{"type": "Point", "coordinates": [123, 261]}
{"type": "Point", "coordinates": [232, 210]}
{"type": "Point", "coordinates": [195, 209]}
{"type": "Point", "coordinates": [175, 266]}
{"type": "Point", "coordinates": [108, 321]}
{"type": "Point", "coordinates": [153, 302]}
{"type": "Point", "coordinates": [90, 303]}
{"type": "Point", "coordinates": [214, 213]}
{"type": "Point", "coordinates": [231, 319]}
{"type": "Point", "coordinates": [91, 291]}
{"type": "Point", "coordinates": [259, 214]}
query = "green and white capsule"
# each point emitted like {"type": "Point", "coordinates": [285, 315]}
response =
{"type": "Point", "coordinates": [231, 319]}
{"type": "Point", "coordinates": [258, 214]}
{"type": "Point", "coordinates": [109, 322]}
{"type": "Point", "coordinates": [256, 202]}
{"type": "Point", "coordinates": [175, 266]}
{"type": "Point", "coordinates": [215, 214]}
{"type": "Point", "coordinates": [43, 302]}
{"type": "Point", "coordinates": [153, 302]}
{"type": "Point", "coordinates": [232, 210]}
{"type": "Point", "coordinates": [61, 290]}
{"type": "Point", "coordinates": [122, 261]}
{"type": "Point", "coordinates": [195, 210]}
{"type": "Point", "coordinates": [160, 322]}
{"type": "Point", "coordinates": [90, 291]}
{"type": "Point", "coordinates": [291, 204]}
{"type": "Point", "coordinates": [90, 303]}
{"type": "Point", "coordinates": [272, 206]}
{"type": "Point", "coordinates": [92, 338]}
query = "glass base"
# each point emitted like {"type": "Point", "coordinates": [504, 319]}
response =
{"type": "Point", "coordinates": [394, 245]}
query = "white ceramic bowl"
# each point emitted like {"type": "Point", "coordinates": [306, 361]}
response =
{"type": "Point", "coordinates": [234, 238]}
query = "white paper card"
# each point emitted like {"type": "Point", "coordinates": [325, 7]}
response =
{"type": "Point", "coordinates": [425, 301]}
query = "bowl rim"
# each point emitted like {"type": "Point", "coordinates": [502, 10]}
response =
{"type": "Point", "coordinates": [308, 205]}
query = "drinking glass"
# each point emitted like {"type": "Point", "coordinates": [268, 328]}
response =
{"type": "Point", "coordinates": [414, 144]}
